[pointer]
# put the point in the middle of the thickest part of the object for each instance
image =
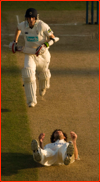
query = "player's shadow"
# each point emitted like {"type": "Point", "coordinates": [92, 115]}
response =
{"type": "Point", "coordinates": [11, 70]}
{"type": "Point", "coordinates": [75, 72]}
{"type": "Point", "coordinates": [11, 163]}
{"type": "Point", "coordinates": [5, 110]}
{"type": "Point", "coordinates": [15, 71]}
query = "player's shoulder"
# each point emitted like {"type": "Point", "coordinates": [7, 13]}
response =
{"type": "Point", "coordinates": [42, 23]}
{"type": "Point", "coordinates": [22, 24]}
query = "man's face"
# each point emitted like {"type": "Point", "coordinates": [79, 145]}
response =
{"type": "Point", "coordinates": [31, 21]}
{"type": "Point", "coordinates": [59, 135]}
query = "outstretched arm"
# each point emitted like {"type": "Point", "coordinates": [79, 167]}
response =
{"type": "Point", "coordinates": [74, 138]}
{"type": "Point", "coordinates": [41, 138]}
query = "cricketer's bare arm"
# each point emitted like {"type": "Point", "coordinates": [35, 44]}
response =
{"type": "Point", "coordinates": [17, 33]}
{"type": "Point", "coordinates": [13, 45]}
{"type": "Point", "coordinates": [23, 49]}
{"type": "Point", "coordinates": [52, 36]}
{"type": "Point", "coordinates": [74, 138]}
{"type": "Point", "coordinates": [41, 138]}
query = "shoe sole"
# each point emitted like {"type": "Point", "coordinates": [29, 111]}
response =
{"type": "Point", "coordinates": [42, 93]}
{"type": "Point", "coordinates": [70, 151]}
{"type": "Point", "coordinates": [34, 147]}
{"type": "Point", "coordinates": [37, 157]}
{"type": "Point", "coordinates": [32, 105]}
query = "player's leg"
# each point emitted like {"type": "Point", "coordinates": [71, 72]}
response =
{"type": "Point", "coordinates": [44, 81]}
{"type": "Point", "coordinates": [69, 154]}
{"type": "Point", "coordinates": [29, 79]}
{"type": "Point", "coordinates": [36, 150]}
{"type": "Point", "coordinates": [46, 157]}
{"type": "Point", "coordinates": [44, 74]}
{"type": "Point", "coordinates": [66, 154]}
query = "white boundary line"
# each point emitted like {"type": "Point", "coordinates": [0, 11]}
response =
{"type": "Point", "coordinates": [56, 24]}
{"type": "Point", "coordinates": [74, 35]}
{"type": "Point", "coordinates": [5, 45]}
{"type": "Point", "coordinates": [64, 24]}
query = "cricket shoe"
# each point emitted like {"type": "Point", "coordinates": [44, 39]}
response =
{"type": "Point", "coordinates": [42, 92]}
{"type": "Point", "coordinates": [32, 104]}
{"type": "Point", "coordinates": [69, 153]}
{"type": "Point", "coordinates": [36, 150]}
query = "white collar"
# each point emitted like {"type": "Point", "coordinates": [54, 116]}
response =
{"type": "Point", "coordinates": [59, 140]}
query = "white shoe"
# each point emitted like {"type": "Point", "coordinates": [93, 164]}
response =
{"type": "Point", "coordinates": [69, 153]}
{"type": "Point", "coordinates": [42, 92]}
{"type": "Point", "coordinates": [32, 104]}
{"type": "Point", "coordinates": [36, 150]}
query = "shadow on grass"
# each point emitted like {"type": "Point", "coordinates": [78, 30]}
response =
{"type": "Point", "coordinates": [10, 70]}
{"type": "Point", "coordinates": [5, 110]}
{"type": "Point", "coordinates": [11, 163]}
{"type": "Point", "coordinates": [56, 71]}
{"type": "Point", "coordinates": [76, 72]}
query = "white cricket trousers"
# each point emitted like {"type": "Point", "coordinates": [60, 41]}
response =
{"type": "Point", "coordinates": [40, 65]}
{"type": "Point", "coordinates": [50, 157]}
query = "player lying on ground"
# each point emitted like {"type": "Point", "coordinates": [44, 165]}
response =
{"type": "Point", "coordinates": [38, 38]}
{"type": "Point", "coordinates": [58, 152]}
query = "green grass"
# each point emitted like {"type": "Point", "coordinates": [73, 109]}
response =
{"type": "Point", "coordinates": [17, 162]}
{"type": "Point", "coordinates": [44, 5]}
{"type": "Point", "coordinates": [16, 156]}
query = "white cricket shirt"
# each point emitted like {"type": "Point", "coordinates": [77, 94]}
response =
{"type": "Point", "coordinates": [54, 153]}
{"type": "Point", "coordinates": [54, 146]}
{"type": "Point", "coordinates": [36, 36]}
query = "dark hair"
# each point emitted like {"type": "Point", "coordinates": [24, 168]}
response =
{"type": "Point", "coordinates": [52, 139]}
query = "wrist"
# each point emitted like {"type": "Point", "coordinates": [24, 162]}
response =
{"type": "Point", "coordinates": [15, 41]}
{"type": "Point", "coordinates": [46, 44]}
{"type": "Point", "coordinates": [41, 141]}
{"type": "Point", "coordinates": [74, 142]}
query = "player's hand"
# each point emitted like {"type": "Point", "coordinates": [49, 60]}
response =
{"type": "Point", "coordinates": [13, 46]}
{"type": "Point", "coordinates": [40, 50]}
{"type": "Point", "coordinates": [73, 136]}
{"type": "Point", "coordinates": [41, 137]}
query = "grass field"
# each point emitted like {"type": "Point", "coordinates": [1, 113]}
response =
{"type": "Point", "coordinates": [15, 134]}
{"type": "Point", "coordinates": [16, 159]}
{"type": "Point", "coordinates": [46, 5]}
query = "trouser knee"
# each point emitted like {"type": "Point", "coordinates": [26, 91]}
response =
{"type": "Point", "coordinates": [44, 79]}
{"type": "Point", "coordinates": [29, 80]}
